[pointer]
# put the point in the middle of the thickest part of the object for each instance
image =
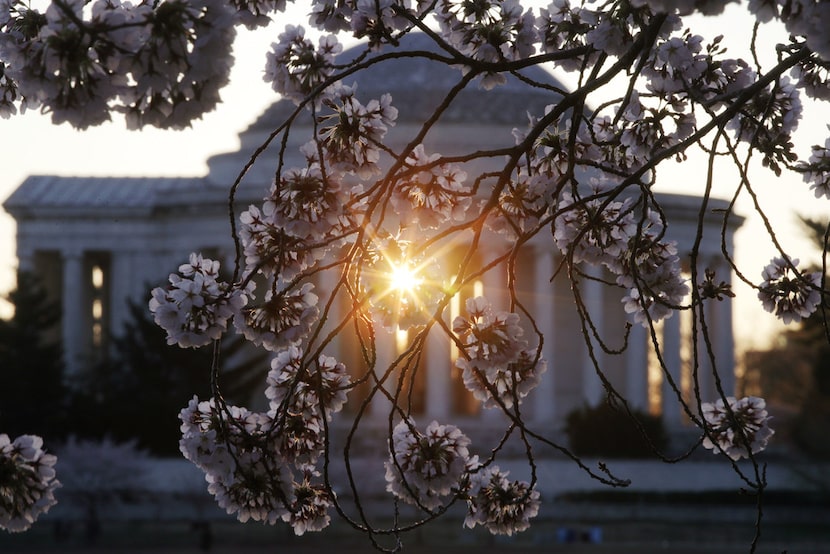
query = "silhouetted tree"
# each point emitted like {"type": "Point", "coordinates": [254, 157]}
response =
{"type": "Point", "coordinates": [138, 392]}
{"type": "Point", "coordinates": [32, 393]}
{"type": "Point", "coordinates": [811, 424]}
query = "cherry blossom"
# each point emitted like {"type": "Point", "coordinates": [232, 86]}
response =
{"type": "Point", "coordinates": [234, 450]}
{"type": "Point", "coordinates": [284, 317]}
{"type": "Point", "coordinates": [738, 429]}
{"type": "Point", "coordinates": [299, 381]}
{"type": "Point", "coordinates": [360, 232]}
{"type": "Point", "coordinates": [504, 507]}
{"type": "Point", "coordinates": [160, 65]}
{"type": "Point", "coordinates": [309, 507]}
{"type": "Point", "coordinates": [435, 194]}
{"type": "Point", "coordinates": [788, 293]}
{"type": "Point", "coordinates": [294, 67]}
{"type": "Point", "coordinates": [351, 132]}
{"type": "Point", "coordinates": [595, 231]}
{"type": "Point", "coordinates": [196, 307]}
{"type": "Point", "coordinates": [816, 170]}
{"type": "Point", "coordinates": [426, 468]}
{"type": "Point", "coordinates": [490, 338]}
{"type": "Point", "coordinates": [515, 380]}
{"type": "Point", "coordinates": [490, 31]}
{"type": "Point", "coordinates": [256, 13]}
{"type": "Point", "coordinates": [27, 481]}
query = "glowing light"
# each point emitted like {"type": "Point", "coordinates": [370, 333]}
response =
{"type": "Point", "coordinates": [405, 286]}
{"type": "Point", "coordinates": [404, 279]}
{"type": "Point", "coordinates": [401, 340]}
{"type": "Point", "coordinates": [478, 288]}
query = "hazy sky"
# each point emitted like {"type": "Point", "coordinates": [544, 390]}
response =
{"type": "Point", "coordinates": [29, 144]}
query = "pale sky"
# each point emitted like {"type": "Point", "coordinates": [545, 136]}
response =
{"type": "Point", "coordinates": [30, 144]}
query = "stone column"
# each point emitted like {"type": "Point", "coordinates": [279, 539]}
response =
{"type": "Point", "coordinates": [438, 376]}
{"type": "Point", "coordinates": [593, 299]}
{"type": "Point", "coordinates": [495, 290]}
{"type": "Point", "coordinates": [724, 346]}
{"type": "Point", "coordinates": [75, 320]}
{"type": "Point", "coordinates": [719, 322]}
{"type": "Point", "coordinates": [672, 360]}
{"type": "Point", "coordinates": [544, 397]}
{"type": "Point", "coordinates": [385, 347]}
{"type": "Point", "coordinates": [636, 368]}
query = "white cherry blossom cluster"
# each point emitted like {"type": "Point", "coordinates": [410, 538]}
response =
{"type": "Point", "coordinates": [160, 64]}
{"type": "Point", "coordinates": [270, 250]}
{"type": "Point", "coordinates": [27, 481]}
{"type": "Point", "coordinates": [768, 120]}
{"type": "Point", "coordinates": [736, 427]}
{"type": "Point", "coordinates": [489, 338]}
{"type": "Point", "coordinates": [594, 231]}
{"type": "Point", "coordinates": [427, 467]}
{"type": "Point", "coordinates": [305, 213]}
{"type": "Point", "coordinates": [489, 31]}
{"type": "Point", "coordinates": [652, 272]}
{"type": "Point", "coordinates": [646, 131]}
{"type": "Point", "coordinates": [296, 384]}
{"type": "Point", "coordinates": [247, 470]}
{"type": "Point", "coordinates": [374, 20]}
{"type": "Point", "coordinates": [230, 445]}
{"type": "Point", "coordinates": [681, 69]}
{"type": "Point", "coordinates": [294, 67]}
{"type": "Point", "coordinates": [308, 205]}
{"type": "Point", "coordinates": [513, 381]}
{"type": "Point", "coordinates": [502, 506]}
{"type": "Point", "coordinates": [816, 170]}
{"type": "Point", "coordinates": [430, 468]}
{"type": "Point", "coordinates": [522, 205]}
{"type": "Point", "coordinates": [350, 133]}
{"type": "Point", "coordinates": [611, 233]}
{"type": "Point", "coordinates": [497, 367]}
{"type": "Point", "coordinates": [806, 18]}
{"type": "Point", "coordinates": [433, 192]}
{"type": "Point", "coordinates": [197, 305]}
{"type": "Point", "coordinates": [565, 27]}
{"type": "Point", "coordinates": [684, 7]}
{"type": "Point", "coordinates": [8, 94]}
{"type": "Point", "coordinates": [256, 13]}
{"type": "Point", "coordinates": [282, 318]}
{"type": "Point", "coordinates": [792, 295]}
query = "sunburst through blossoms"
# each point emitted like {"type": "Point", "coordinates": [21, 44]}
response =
{"type": "Point", "coordinates": [403, 287]}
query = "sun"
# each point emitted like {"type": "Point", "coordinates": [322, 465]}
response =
{"type": "Point", "coordinates": [404, 279]}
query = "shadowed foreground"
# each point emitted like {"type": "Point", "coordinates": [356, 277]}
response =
{"type": "Point", "coordinates": [619, 537]}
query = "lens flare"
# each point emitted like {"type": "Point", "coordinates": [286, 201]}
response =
{"type": "Point", "coordinates": [404, 279]}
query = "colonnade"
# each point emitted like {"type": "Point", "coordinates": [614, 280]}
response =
{"type": "Point", "coordinates": [571, 379]}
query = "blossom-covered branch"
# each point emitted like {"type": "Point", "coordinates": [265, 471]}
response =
{"type": "Point", "coordinates": [348, 244]}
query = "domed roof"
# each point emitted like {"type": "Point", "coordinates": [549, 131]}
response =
{"type": "Point", "coordinates": [417, 85]}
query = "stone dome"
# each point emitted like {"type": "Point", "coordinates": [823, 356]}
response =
{"type": "Point", "coordinates": [417, 85]}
